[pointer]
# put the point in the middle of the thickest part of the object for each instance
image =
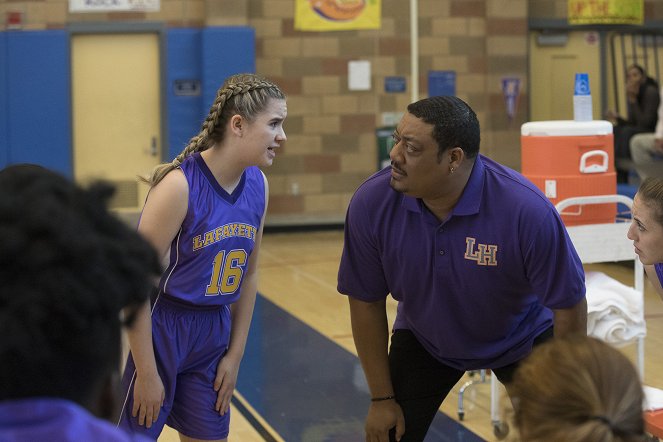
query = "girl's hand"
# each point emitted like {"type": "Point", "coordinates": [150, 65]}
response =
{"type": "Point", "coordinates": [224, 384]}
{"type": "Point", "coordinates": [149, 395]}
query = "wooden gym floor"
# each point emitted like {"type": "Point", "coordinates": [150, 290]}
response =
{"type": "Point", "coordinates": [300, 379]}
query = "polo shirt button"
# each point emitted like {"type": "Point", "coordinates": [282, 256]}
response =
{"type": "Point", "coordinates": [441, 252]}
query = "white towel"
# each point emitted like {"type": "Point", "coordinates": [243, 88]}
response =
{"type": "Point", "coordinates": [653, 398]}
{"type": "Point", "coordinates": [615, 312]}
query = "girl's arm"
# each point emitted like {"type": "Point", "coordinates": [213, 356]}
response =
{"type": "Point", "coordinates": [241, 314]}
{"type": "Point", "coordinates": [164, 211]}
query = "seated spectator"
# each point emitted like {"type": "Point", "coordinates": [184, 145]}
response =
{"type": "Point", "coordinates": [646, 229]}
{"type": "Point", "coordinates": [643, 99]}
{"type": "Point", "coordinates": [70, 274]}
{"type": "Point", "coordinates": [647, 149]}
{"type": "Point", "coordinates": [578, 389]}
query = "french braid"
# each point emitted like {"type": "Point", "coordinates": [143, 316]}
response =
{"type": "Point", "coordinates": [243, 94]}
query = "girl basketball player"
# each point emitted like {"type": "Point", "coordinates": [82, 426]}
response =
{"type": "Point", "coordinates": [206, 211]}
{"type": "Point", "coordinates": [646, 229]}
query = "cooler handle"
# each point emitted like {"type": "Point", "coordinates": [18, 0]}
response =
{"type": "Point", "coordinates": [594, 168]}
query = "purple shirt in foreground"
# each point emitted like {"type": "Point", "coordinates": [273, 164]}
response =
{"type": "Point", "coordinates": [58, 420]}
{"type": "Point", "coordinates": [475, 289]}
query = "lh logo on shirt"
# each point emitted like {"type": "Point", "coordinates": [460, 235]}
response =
{"type": "Point", "coordinates": [484, 254]}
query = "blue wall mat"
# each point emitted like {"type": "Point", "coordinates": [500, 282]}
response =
{"type": "Point", "coordinates": [184, 74]}
{"type": "Point", "coordinates": [4, 137]}
{"type": "Point", "coordinates": [38, 85]}
{"type": "Point", "coordinates": [225, 51]}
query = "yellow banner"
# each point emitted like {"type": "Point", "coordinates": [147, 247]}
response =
{"type": "Point", "coordinates": [337, 15]}
{"type": "Point", "coordinates": [585, 12]}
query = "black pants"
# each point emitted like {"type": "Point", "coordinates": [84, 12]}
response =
{"type": "Point", "coordinates": [421, 382]}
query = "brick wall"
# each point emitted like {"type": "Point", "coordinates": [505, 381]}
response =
{"type": "Point", "coordinates": [331, 144]}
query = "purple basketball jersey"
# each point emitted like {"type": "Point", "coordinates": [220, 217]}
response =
{"type": "Point", "coordinates": [191, 317]}
{"type": "Point", "coordinates": [210, 254]}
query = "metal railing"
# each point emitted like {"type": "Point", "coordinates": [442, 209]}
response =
{"type": "Point", "coordinates": [644, 48]}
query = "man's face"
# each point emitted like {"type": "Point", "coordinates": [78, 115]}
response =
{"type": "Point", "coordinates": [416, 169]}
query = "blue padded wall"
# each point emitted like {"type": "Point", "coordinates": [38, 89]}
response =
{"type": "Point", "coordinates": [225, 51]}
{"type": "Point", "coordinates": [39, 97]}
{"type": "Point", "coordinates": [205, 58]}
{"type": "Point", "coordinates": [4, 137]}
{"type": "Point", "coordinates": [183, 64]}
{"type": "Point", "coordinates": [35, 90]}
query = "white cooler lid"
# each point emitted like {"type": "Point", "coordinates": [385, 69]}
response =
{"type": "Point", "coordinates": [559, 128]}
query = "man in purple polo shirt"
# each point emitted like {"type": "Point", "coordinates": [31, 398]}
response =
{"type": "Point", "coordinates": [68, 269]}
{"type": "Point", "coordinates": [477, 257]}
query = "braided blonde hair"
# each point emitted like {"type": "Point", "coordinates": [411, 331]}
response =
{"type": "Point", "coordinates": [241, 94]}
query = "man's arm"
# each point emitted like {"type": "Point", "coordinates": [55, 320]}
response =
{"type": "Point", "coordinates": [571, 320]}
{"type": "Point", "coordinates": [371, 335]}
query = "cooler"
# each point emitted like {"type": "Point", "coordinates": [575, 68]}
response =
{"type": "Point", "coordinates": [572, 158]}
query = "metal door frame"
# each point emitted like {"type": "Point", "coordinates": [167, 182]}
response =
{"type": "Point", "coordinates": [132, 28]}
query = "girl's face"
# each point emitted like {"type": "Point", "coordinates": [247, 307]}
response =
{"type": "Point", "coordinates": [646, 233]}
{"type": "Point", "coordinates": [265, 133]}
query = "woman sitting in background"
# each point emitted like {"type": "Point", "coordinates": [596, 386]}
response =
{"type": "Point", "coordinates": [642, 98]}
{"type": "Point", "coordinates": [578, 389]}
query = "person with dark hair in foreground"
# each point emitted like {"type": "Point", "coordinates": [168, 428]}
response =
{"type": "Point", "coordinates": [477, 257]}
{"type": "Point", "coordinates": [71, 274]}
{"type": "Point", "coordinates": [578, 389]}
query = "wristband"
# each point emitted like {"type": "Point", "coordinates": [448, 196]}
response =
{"type": "Point", "coordinates": [385, 398]}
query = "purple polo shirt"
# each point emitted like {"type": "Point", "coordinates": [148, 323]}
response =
{"type": "Point", "coordinates": [659, 271]}
{"type": "Point", "coordinates": [51, 419]}
{"type": "Point", "coordinates": [475, 289]}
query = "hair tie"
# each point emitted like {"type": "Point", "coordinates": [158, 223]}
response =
{"type": "Point", "coordinates": [611, 425]}
{"type": "Point", "coordinates": [603, 419]}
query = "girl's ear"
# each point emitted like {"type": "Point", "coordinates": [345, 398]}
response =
{"type": "Point", "coordinates": [237, 124]}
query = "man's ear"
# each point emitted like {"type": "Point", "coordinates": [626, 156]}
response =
{"type": "Point", "coordinates": [456, 157]}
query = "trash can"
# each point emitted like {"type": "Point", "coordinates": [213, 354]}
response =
{"type": "Point", "coordinates": [385, 143]}
{"type": "Point", "coordinates": [572, 158]}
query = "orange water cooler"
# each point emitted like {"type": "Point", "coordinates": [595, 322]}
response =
{"type": "Point", "coordinates": [572, 158]}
